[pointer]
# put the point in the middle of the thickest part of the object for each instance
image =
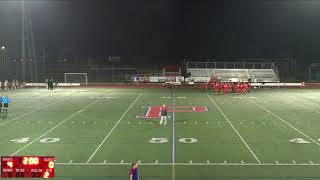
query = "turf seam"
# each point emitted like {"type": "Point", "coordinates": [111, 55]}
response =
{"type": "Point", "coordinates": [235, 130]}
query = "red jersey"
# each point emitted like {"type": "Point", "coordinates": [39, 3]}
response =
{"type": "Point", "coordinates": [216, 86]}
{"type": "Point", "coordinates": [242, 87]}
{"type": "Point", "coordinates": [163, 111]}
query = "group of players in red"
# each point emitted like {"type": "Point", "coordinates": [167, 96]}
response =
{"type": "Point", "coordinates": [228, 87]}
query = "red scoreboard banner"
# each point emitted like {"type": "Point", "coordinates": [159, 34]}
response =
{"type": "Point", "coordinates": [27, 166]}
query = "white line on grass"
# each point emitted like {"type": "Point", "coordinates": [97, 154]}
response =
{"type": "Point", "coordinates": [56, 126]}
{"type": "Point", "coordinates": [30, 112]}
{"type": "Point", "coordinates": [268, 111]}
{"type": "Point", "coordinates": [173, 133]}
{"type": "Point", "coordinates": [188, 164]}
{"type": "Point", "coordinates": [114, 127]}
{"type": "Point", "coordinates": [235, 130]}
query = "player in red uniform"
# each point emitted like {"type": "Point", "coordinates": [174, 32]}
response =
{"type": "Point", "coordinates": [242, 88]}
{"type": "Point", "coordinates": [248, 87]}
{"type": "Point", "coordinates": [232, 87]}
{"type": "Point", "coordinates": [228, 89]}
{"type": "Point", "coordinates": [222, 87]}
{"type": "Point", "coordinates": [238, 87]}
{"type": "Point", "coordinates": [163, 114]}
{"type": "Point", "coordinates": [216, 87]}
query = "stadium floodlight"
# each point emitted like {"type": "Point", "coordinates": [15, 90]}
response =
{"type": "Point", "coordinates": [3, 47]}
{"type": "Point", "coordinates": [81, 78]}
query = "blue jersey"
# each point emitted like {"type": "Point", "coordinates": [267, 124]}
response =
{"type": "Point", "coordinates": [5, 100]}
{"type": "Point", "coordinates": [134, 173]}
{"type": "Point", "coordinates": [0, 99]}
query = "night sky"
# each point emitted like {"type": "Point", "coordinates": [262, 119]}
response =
{"type": "Point", "coordinates": [168, 30]}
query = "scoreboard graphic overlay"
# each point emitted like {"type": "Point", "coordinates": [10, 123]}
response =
{"type": "Point", "coordinates": [27, 166]}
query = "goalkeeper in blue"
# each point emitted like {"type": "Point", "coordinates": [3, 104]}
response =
{"type": "Point", "coordinates": [0, 103]}
{"type": "Point", "coordinates": [5, 102]}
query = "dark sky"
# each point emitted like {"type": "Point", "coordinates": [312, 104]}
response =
{"type": "Point", "coordinates": [168, 29]}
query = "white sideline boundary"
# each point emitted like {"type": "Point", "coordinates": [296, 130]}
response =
{"type": "Point", "coordinates": [187, 164]}
{"type": "Point", "coordinates": [294, 128]}
{"type": "Point", "coordinates": [235, 130]}
{"type": "Point", "coordinates": [114, 127]}
{"type": "Point", "coordinates": [74, 114]}
{"type": "Point", "coordinates": [30, 112]}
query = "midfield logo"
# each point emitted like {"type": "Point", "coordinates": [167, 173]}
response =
{"type": "Point", "coordinates": [154, 111]}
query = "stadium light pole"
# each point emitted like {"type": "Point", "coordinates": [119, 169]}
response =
{"type": "Point", "coordinates": [23, 43]}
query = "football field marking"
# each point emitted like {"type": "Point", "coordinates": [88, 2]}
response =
{"type": "Point", "coordinates": [189, 164]}
{"type": "Point", "coordinates": [284, 121]}
{"type": "Point", "coordinates": [173, 133]}
{"type": "Point", "coordinates": [30, 112]}
{"type": "Point", "coordinates": [114, 127]}
{"type": "Point", "coordinates": [235, 130]}
{"type": "Point", "coordinates": [74, 114]}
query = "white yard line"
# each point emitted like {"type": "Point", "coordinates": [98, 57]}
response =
{"type": "Point", "coordinates": [235, 130]}
{"type": "Point", "coordinates": [114, 127]}
{"type": "Point", "coordinates": [188, 164]}
{"type": "Point", "coordinates": [30, 112]}
{"type": "Point", "coordinates": [173, 134]}
{"type": "Point", "coordinates": [268, 111]}
{"type": "Point", "coordinates": [56, 126]}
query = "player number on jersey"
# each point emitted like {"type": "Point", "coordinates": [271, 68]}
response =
{"type": "Point", "coordinates": [165, 140]}
{"type": "Point", "coordinates": [25, 140]}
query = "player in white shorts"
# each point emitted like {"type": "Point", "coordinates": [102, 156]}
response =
{"type": "Point", "coordinates": [163, 114]}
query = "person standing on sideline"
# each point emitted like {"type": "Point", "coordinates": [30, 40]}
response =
{"type": "Point", "coordinates": [163, 114]}
{"type": "Point", "coordinates": [5, 102]}
{"type": "Point", "coordinates": [13, 85]}
{"type": "Point", "coordinates": [0, 84]}
{"type": "Point", "coordinates": [0, 103]}
{"type": "Point", "coordinates": [134, 171]}
{"type": "Point", "coordinates": [5, 85]}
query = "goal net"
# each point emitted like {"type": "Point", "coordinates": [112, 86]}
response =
{"type": "Point", "coordinates": [76, 78]}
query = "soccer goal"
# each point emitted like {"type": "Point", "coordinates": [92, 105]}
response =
{"type": "Point", "coordinates": [76, 78]}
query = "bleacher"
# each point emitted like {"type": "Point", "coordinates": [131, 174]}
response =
{"type": "Point", "coordinates": [236, 74]}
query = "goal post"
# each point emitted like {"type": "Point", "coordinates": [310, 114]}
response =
{"type": "Point", "coordinates": [76, 78]}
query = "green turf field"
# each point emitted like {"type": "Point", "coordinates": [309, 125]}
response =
{"type": "Point", "coordinates": [95, 133]}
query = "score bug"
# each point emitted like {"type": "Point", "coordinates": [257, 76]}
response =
{"type": "Point", "coordinates": [27, 166]}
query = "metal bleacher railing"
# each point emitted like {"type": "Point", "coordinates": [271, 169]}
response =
{"type": "Point", "coordinates": [257, 72]}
